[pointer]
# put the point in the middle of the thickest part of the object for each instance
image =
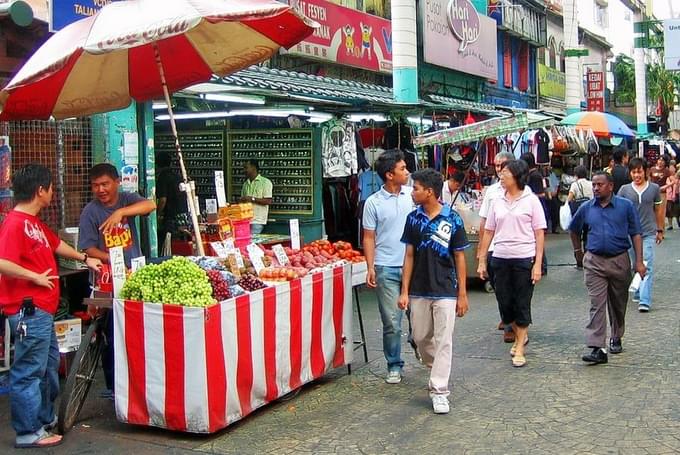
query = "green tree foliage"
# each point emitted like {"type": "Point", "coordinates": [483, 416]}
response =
{"type": "Point", "coordinates": [624, 79]}
{"type": "Point", "coordinates": [662, 87]}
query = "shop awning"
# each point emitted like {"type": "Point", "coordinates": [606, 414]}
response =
{"type": "Point", "coordinates": [474, 132]}
{"type": "Point", "coordinates": [301, 87]}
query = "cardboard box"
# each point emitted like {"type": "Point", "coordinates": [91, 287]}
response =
{"type": "Point", "coordinates": [70, 236]}
{"type": "Point", "coordinates": [68, 334]}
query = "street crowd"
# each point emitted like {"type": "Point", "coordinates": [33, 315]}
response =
{"type": "Point", "coordinates": [414, 246]}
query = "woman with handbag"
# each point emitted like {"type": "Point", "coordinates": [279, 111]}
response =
{"type": "Point", "coordinates": [580, 191]}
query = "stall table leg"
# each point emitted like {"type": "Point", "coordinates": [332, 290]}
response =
{"type": "Point", "coordinates": [361, 343]}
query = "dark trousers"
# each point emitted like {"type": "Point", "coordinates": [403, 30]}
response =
{"type": "Point", "coordinates": [607, 280]}
{"type": "Point", "coordinates": [514, 289]}
{"type": "Point", "coordinates": [492, 276]}
{"type": "Point", "coordinates": [554, 209]}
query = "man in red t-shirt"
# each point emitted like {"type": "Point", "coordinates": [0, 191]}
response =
{"type": "Point", "coordinates": [29, 296]}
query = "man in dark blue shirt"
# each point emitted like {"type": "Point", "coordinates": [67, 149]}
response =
{"type": "Point", "coordinates": [612, 223]}
{"type": "Point", "coordinates": [433, 280]}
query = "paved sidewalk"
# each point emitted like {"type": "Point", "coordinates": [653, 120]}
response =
{"type": "Point", "coordinates": [554, 405]}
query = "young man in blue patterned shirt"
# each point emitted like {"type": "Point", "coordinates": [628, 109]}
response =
{"type": "Point", "coordinates": [433, 281]}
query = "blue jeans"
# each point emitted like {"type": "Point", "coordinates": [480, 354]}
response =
{"type": "Point", "coordinates": [644, 292]}
{"type": "Point", "coordinates": [34, 376]}
{"type": "Point", "coordinates": [389, 288]}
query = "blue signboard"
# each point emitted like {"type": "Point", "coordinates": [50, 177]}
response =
{"type": "Point", "coordinates": [65, 12]}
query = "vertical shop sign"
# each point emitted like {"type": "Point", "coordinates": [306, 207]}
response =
{"type": "Point", "coordinates": [346, 36]}
{"type": "Point", "coordinates": [5, 177]}
{"type": "Point", "coordinates": [595, 93]}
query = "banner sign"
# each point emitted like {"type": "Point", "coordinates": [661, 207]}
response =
{"type": "Point", "coordinates": [595, 91]}
{"type": "Point", "coordinates": [551, 82]}
{"type": "Point", "coordinates": [346, 36]}
{"type": "Point", "coordinates": [455, 36]}
{"type": "Point", "coordinates": [65, 12]}
{"type": "Point", "coordinates": [671, 38]}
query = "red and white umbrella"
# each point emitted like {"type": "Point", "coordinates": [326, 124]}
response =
{"type": "Point", "coordinates": [144, 49]}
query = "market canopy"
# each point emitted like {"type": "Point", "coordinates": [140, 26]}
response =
{"type": "Point", "coordinates": [602, 124]}
{"type": "Point", "coordinates": [474, 132]}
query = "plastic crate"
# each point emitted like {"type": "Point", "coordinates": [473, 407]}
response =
{"type": "Point", "coordinates": [240, 230]}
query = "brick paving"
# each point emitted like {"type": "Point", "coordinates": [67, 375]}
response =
{"type": "Point", "coordinates": [555, 404]}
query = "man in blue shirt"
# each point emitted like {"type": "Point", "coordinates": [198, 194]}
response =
{"type": "Point", "coordinates": [383, 220]}
{"type": "Point", "coordinates": [612, 223]}
{"type": "Point", "coordinates": [433, 283]}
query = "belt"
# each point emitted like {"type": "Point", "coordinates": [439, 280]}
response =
{"type": "Point", "coordinates": [608, 255]}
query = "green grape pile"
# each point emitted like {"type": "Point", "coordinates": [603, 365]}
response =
{"type": "Point", "coordinates": [176, 281]}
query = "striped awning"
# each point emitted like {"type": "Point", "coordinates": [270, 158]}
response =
{"type": "Point", "coordinates": [474, 132]}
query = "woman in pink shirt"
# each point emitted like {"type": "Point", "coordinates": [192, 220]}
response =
{"type": "Point", "coordinates": [516, 223]}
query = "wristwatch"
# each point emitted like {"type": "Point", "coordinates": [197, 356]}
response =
{"type": "Point", "coordinates": [85, 256]}
{"type": "Point", "coordinates": [252, 199]}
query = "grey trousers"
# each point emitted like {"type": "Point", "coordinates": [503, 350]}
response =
{"type": "Point", "coordinates": [607, 280]}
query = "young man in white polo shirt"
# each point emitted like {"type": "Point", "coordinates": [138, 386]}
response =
{"type": "Point", "coordinates": [384, 218]}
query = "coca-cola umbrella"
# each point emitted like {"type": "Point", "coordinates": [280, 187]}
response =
{"type": "Point", "coordinates": [144, 49]}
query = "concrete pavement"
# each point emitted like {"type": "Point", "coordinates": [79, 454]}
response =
{"type": "Point", "coordinates": [556, 404]}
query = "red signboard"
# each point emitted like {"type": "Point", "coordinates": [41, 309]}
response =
{"type": "Point", "coordinates": [346, 36]}
{"type": "Point", "coordinates": [595, 91]}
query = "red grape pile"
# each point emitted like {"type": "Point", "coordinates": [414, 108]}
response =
{"type": "Point", "coordinates": [251, 283]}
{"type": "Point", "coordinates": [219, 285]}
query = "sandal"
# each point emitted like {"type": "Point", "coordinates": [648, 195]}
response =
{"type": "Point", "coordinates": [513, 349]}
{"type": "Point", "coordinates": [44, 440]}
{"type": "Point", "coordinates": [519, 361]}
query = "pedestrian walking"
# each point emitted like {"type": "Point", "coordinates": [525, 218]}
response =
{"type": "Point", "coordinates": [29, 297]}
{"type": "Point", "coordinates": [492, 193]}
{"type": "Point", "coordinates": [612, 224]}
{"type": "Point", "coordinates": [433, 283]}
{"type": "Point", "coordinates": [516, 224]}
{"type": "Point", "coordinates": [671, 190]}
{"type": "Point", "coordinates": [580, 192]}
{"type": "Point", "coordinates": [620, 172]}
{"type": "Point", "coordinates": [384, 218]}
{"type": "Point", "coordinates": [647, 200]}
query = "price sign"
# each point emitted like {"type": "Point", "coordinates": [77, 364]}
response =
{"type": "Point", "coordinates": [236, 254]}
{"type": "Point", "coordinates": [219, 188]}
{"type": "Point", "coordinates": [211, 206]}
{"type": "Point", "coordinates": [257, 263]}
{"type": "Point", "coordinates": [229, 244]}
{"type": "Point", "coordinates": [254, 251]}
{"type": "Point", "coordinates": [280, 255]}
{"type": "Point", "coordinates": [138, 263]}
{"type": "Point", "coordinates": [295, 234]}
{"type": "Point", "coordinates": [118, 272]}
{"type": "Point", "coordinates": [219, 249]}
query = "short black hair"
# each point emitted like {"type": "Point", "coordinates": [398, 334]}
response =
{"type": "Point", "coordinates": [457, 176]}
{"type": "Point", "coordinates": [637, 163]}
{"type": "Point", "coordinates": [618, 155]}
{"type": "Point", "coordinates": [28, 180]}
{"type": "Point", "coordinates": [387, 161]}
{"type": "Point", "coordinates": [163, 159]}
{"type": "Point", "coordinates": [580, 171]}
{"type": "Point", "coordinates": [519, 169]}
{"type": "Point", "coordinates": [104, 169]}
{"type": "Point", "coordinates": [604, 174]}
{"type": "Point", "coordinates": [666, 159]}
{"type": "Point", "coordinates": [528, 158]}
{"type": "Point", "coordinates": [254, 163]}
{"type": "Point", "coordinates": [429, 179]}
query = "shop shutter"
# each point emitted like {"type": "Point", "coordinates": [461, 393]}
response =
{"type": "Point", "coordinates": [507, 62]}
{"type": "Point", "coordinates": [523, 66]}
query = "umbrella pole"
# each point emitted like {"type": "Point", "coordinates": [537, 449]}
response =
{"type": "Point", "coordinates": [188, 185]}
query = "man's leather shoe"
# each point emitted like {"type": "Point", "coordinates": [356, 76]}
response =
{"type": "Point", "coordinates": [615, 346]}
{"type": "Point", "coordinates": [596, 356]}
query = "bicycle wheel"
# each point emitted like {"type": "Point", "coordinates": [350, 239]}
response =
{"type": "Point", "coordinates": [80, 378]}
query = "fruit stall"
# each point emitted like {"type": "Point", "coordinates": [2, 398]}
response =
{"type": "Point", "coordinates": [230, 334]}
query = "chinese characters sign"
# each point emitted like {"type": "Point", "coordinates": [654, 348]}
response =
{"type": "Point", "coordinates": [346, 36]}
{"type": "Point", "coordinates": [595, 92]}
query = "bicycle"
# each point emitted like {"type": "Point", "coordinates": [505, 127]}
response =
{"type": "Point", "coordinates": [82, 373]}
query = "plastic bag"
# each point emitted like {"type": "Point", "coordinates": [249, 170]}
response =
{"type": "Point", "coordinates": [565, 217]}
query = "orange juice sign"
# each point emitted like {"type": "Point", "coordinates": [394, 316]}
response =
{"type": "Point", "coordinates": [346, 36]}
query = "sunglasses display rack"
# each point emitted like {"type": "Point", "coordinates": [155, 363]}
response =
{"type": "Point", "coordinates": [285, 157]}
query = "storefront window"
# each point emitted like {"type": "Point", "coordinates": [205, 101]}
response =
{"type": "Point", "coordinates": [562, 60]}
{"type": "Point", "coordinates": [551, 53]}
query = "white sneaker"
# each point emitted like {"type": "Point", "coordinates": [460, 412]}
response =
{"type": "Point", "coordinates": [440, 404]}
{"type": "Point", "coordinates": [393, 377]}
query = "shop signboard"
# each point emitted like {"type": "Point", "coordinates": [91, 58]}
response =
{"type": "Point", "coordinates": [551, 82]}
{"type": "Point", "coordinates": [65, 12]}
{"type": "Point", "coordinates": [345, 36]}
{"type": "Point", "coordinates": [671, 36]}
{"type": "Point", "coordinates": [455, 36]}
{"type": "Point", "coordinates": [595, 91]}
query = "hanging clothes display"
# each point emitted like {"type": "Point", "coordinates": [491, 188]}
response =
{"type": "Point", "coordinates": [542, 141]}
{"type": "Point", "coordinates": [369, 183]}
{"type": "Point", "coordinates": [338, 149]}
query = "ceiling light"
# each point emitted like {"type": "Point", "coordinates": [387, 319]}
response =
{"type": "Point", "coordinates": [369, 117]}
{"type": "Point", "coordinates": [234, 98]}
{"type": "Point", "coordinates": [159, 105]}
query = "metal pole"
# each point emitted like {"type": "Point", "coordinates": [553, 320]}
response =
{"type": "Point", "coordinates": [188, 185]}
{"type": "Point", "coordinates": [61, 191]}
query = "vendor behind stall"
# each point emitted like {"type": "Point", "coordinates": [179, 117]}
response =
{"type": "Point", "coordinates": [257, 190]}
{"type": "Point", "coordinates": [452, 189]}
